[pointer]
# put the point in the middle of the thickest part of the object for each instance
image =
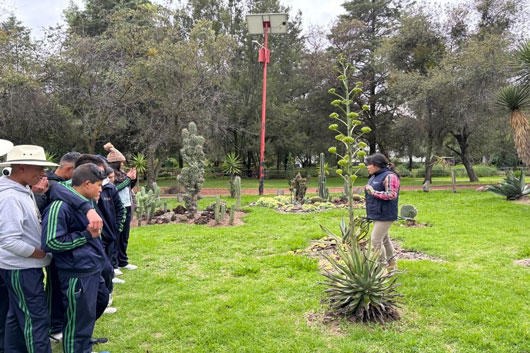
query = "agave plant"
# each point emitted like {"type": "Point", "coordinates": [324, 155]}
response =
{"type": "Point", "coordinates": [513, 187]}
{"type": "Point", "coordinates": [51, 157]}
{"type": "Point", "coordinates": [360, 288]}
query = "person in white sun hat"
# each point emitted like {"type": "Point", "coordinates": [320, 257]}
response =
{"type": "Point", "coordinates": [5, 146]}
{"type": "Point", "coordinates": [21, 258]}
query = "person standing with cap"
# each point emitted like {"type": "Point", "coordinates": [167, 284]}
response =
{"type": "Point", "coordinates": [124, 183]}
{"type": "Point", "coordinates": [21, 257]}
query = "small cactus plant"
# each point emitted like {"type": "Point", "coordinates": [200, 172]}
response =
{"type": "Point", "coordinates": [147, 203]}
{"type": "Point", "coordinates": [299, 187]}
{"type": "Point", "coordinates": [232, 215]}
{"type": "Point", "coordinates": [323, 191]}
{"type": "Point", "coordinates": [408, 212]}
{"type": "Point", "coordinates": [217, 210]}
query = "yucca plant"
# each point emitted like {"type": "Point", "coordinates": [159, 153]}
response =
{"type": "Point", "coordinates": [513, 187]}
{"type": "Point", "coordinates": [232, 166]}
{"type": "Point", "coordinates": [517, 100]}
{"type": "Point", "coordinates": [139, 162]}
{"type": "Point", "coordinates": [360, 288]}
{"type": "Point", "coordinates": [50, 157]}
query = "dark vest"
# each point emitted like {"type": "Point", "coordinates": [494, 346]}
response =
{"type": "Point", "coordinates": [377, 209]}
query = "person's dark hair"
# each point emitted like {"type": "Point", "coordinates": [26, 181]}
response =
{"type": "Point", "coordinates": [89, 158]}
{"type": "Point", "coordinates": [380, 160]}
{"type": "Point", "coordinates": [88, 171]}
{"type": "Point", "coordinates": [70, 158]}
{"type": "Point", "coordinates": [118, 174]}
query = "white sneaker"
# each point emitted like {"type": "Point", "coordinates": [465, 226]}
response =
{"type": "Point", "coordinates": [130, 267]}
{"type": "Point", "coordinates": [117, 272]}
{"type": "Point", "coordinates": [110, 300]}
{"type": "Point", "coordinates": [117, 280]}
{"type": "Point", "coordinates": [56, 337]}
{"type": "Point", "coordinates": [110, 310]}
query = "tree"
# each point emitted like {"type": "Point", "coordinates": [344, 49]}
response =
{"type": "Point", "coordinates": [359, 35]}
{"type": "Point", "coordinates": [417, 83]}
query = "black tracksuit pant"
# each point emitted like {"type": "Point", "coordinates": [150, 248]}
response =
{"type": "Point", "coordinates": [28, 323]}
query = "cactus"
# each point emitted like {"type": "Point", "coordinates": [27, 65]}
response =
{"type": "Point", "coordinates": [232, 214]}
{"type": "Point", "coordinates": [323, 191]}
{"type": "Point", "coordinates": [217, 210]}
{"type": "Point", "coordinates": [408, 212]}
{"type": "Point", "coordinates": [222, 212]}
{"type": "Point", "coordinates": [298, 187]}
{"type": "Point", "coordinates": [192, 176]}
{"type": "Point", "coordinates": [237, 192]}
{"type": "Point", "coordinates": [147, 203]}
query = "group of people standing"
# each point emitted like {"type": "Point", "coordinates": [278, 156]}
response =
{"type": "Point", "coordinates": [63, 239]}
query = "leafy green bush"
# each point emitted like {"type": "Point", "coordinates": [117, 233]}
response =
{"type": "Point", "coordinates": [481, 170]}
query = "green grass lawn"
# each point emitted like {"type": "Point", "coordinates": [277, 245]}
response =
{"type": "Point", "coordinates": [331, 182]}
{"type": "Point", "coordinates": [237, 289]}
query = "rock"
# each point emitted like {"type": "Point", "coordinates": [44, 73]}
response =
{"type": "Point", "coordinates": [173, 217]}
{"type": "Point", "coordinates": [159, 213]}
{"type": "Point", "coordinates": [201, 220]}
{"type": "Point", "coordinates": [315, 199]}
{"type": "Point", "coordinates": [481, 189]}
{"type": "Point", "coordinates": [180, 209]}
{"type": "Point", "coordinates": [336, 200]}
{"type": "Point", "coordinates": [357, 197]}
{"type": "Point", "coordinates": [183, 218]}
{"type": "Point", "coordinates": [165, 220]}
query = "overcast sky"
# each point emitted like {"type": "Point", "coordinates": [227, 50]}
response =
{"type": "Point", "coordinates": [42, 13]}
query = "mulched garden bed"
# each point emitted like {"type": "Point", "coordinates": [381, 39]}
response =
{"type": "Point", "coordinates": [328, 246]}
{"type": "Point", "coordinates": [180, 215]}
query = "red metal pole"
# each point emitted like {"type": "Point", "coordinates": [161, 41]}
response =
{"type": "Point", "coordinates": [263, 110]}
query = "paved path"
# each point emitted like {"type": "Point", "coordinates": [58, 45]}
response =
{"type": "Point", "coordinates": [225, 192]}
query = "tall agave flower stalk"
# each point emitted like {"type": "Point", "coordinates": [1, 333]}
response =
{"type": "Point", "coordinates": [349, 133]}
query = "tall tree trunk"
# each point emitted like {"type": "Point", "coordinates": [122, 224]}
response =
{"type": "Point", "coordinates": [462, 140]}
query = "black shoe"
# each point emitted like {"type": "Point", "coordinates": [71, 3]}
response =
{"type": "Point", "coordinates": [99, 340]}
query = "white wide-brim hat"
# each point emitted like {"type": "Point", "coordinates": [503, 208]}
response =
{"type": "Point", "coordinates": [28, 155]}
{"type": "Point", "coordinates": [5, 146]}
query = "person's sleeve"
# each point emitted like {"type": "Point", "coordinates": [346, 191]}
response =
{"type": "Point", "coordinates": [391, 184]}
{"type": "Point", "coordinates": [55, 235]}
{"type": "Point", "coordinates": [120, 211]}
{"type": "Point", "coordinates": [42, 201]}
{"type": "Point", "coordinates": [11, 229]}
{"type": "Point", "coordinates": [124, 184]}
{"type": "Point", "coordinates": [65, 192]}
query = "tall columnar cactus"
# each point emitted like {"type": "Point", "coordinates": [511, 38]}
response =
{"type": "Point", "coordinates": [237, 192]}
{"type": "Point", "coordinates": [217, 210]}
{"type": "Point", "coordinates": [323, 191]}
{"type": "Point", "coordinates": [191, 177]}
{"type": "Point", "coordinates": [232, 215]}
{"type": "Point", "coordinates": [147, 203]}
{"type": "Point", "coordinates": [348, 134]}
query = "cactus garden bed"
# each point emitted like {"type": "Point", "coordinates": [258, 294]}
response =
{"type": "Point", "coordinates": [180, 215]}
{"type": "Point", "coordinates": [286, 204]}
